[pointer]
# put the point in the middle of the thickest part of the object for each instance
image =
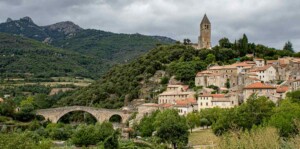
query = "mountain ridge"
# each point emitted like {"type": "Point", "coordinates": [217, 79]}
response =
{"type": "Point", "coordinates": [104, 48]}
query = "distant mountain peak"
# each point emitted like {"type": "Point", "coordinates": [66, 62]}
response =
{"type": "Point", "coordinates": [8, 20]}
{"type": "Point", "coordinates": [67, 27]}
{"type": "Point", "coordinates": [28, 19]}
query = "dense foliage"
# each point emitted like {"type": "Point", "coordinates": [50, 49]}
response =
{"type": "Point", "coordinates": [167, 125]}
{"type": "Point", "coordinates": [257, 111]}
{"type": "Point", "coordinates": [22, 57]}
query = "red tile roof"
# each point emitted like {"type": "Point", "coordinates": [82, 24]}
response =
{"type": "Point", "coordinates": [261, 68]}
{"type": "Point", "coordinates": [243, 64]}
{"type": "Point", "coordinates": [188, 101]}
{"type": "Point", "coordinates": [203, 72]}
{"type": "Point", "coordinates": [259, 85]}
{"type": "Point", "coordinates": [213, 95]}
{"type": "Point", "coordinates": [282, 89]}
{"type": "Point", "coordinates": [165, 105]}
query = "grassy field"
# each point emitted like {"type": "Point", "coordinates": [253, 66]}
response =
{"type": "Point", "coordinates": [203, 137]}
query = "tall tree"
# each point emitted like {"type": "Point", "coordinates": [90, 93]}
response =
{"type": "Point", "coordinates": [224, 43]}
{"type": "Point", "coordinates": [172, 128]}
{"type": "Point", "coordinates": [244, 45]}
{"type": "Point", "coordinates": [288, 46]}
{"type": "Point", "coordinates": [193, 120]}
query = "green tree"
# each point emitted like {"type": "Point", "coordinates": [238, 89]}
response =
{"type": "Point", "coordinates": [193, 120]}
{"type": "Point", "coordinates": [112, 141]}
{"type": "Point", "coordinates": [210, 58]}
{"type": "Point", "coordinates": [288, 46]}
{"type": "Point", "coordinates": [146, 126]}
{"type": "Point", "coordinates": [204, 122]}
{"type": "Point", "coordinates": [285, 117]}
{"type": "Point", "coordinates": [294, 96]}
{"type": "Point", "coordinates": [84, 135]}
{"type": "Point", "coordinates": [103, 130]}
{"type": "Point", "coordinates": [172, 128]}
{"type": "Point", "coordinates": [186, 41]}
{"type": "Point", "coordinates": [244, 45]}
{"type": "Point", "coordinates": [254, 112]}
{"type": "Point", "coordinates": [224, 43]}
{"type": "Point", "coordinates": [7, 108]}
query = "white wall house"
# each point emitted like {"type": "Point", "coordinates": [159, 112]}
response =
{"type": "Point", "coordinates": [216, 100]}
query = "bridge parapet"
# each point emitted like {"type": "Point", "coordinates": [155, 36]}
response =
{"type": "Point", "coordinates": [54, 114]}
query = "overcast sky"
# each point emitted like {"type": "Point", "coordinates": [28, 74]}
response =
{"type": "Point", "coordinates": [269, 22]}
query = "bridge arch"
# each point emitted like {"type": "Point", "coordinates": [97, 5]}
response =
{"type": "Point", "coordinates": [115, 118]}
{"type": "Point", "coordinates": [75, 112]}
{"type": "Point", "coordinates": [54, 114]}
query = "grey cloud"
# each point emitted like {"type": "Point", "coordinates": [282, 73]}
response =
{"type": "Point", "coordinates": [269, 22]}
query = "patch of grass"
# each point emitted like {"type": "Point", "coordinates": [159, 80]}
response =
{"type": "Point", "coordinates": [203, 137]}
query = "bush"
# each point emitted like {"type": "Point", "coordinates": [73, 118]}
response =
{"type": "Point", "coordinates": [86, 135]}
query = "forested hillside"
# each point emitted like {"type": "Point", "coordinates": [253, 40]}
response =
{"type": "Point", "coordinates": [126, 82]}
{"type": "Point", "coordinates": [22, 56]}
{"type": "Point", "coordinates": [103, 49]}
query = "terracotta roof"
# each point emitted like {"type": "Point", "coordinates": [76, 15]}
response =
{"type": "Point", "coordinates": [250, 78]}
{"type": "Point", "coordinates": [243, 64]}
{"type": "Point", "coordinates": [213, 95]}
{"type": "Point", "coordinates": [165, 105]}
{"type": "Point", "coordinates": [185, 102]}
{"type": "Point", "coordinates": [259, 85]}
{"type": "Point", "coordinates": [175, 93]}
{"type": "Point", "coordinates": [261, 68]}
{"type": "Point", "coordinates": [282, 89]}
{"type": "Point", "coordinates": [203, 72]}
{"type": "Point", "coordinates": [185, 87]}
{"type": "Point", "coordinates": [222, 67]}
{"type": "Point", "coordinates": [271, 61]}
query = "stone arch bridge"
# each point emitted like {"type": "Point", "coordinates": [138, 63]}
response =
{"type": "Point", "coordinates": [54, 114]}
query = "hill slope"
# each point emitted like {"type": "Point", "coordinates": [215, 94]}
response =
{"type": "Point", "coordinates": [148, 75]}
{"type": "Point", "coordinates": [125, 82]}
{"type": "Point", "coordinates": [20, 56]}
{"type": "Point", "coordinates": [109, 48]}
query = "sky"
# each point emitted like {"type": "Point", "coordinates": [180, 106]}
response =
{"type": "Point", "coordinates": [268, 22]}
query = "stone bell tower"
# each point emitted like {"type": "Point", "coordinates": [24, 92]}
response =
{"type": "Point", "coordinates": [204, 40]}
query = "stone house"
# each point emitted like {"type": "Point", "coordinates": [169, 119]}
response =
{"type": "Point", "coordinates": [281, 91]}
{"type": "Point", "coordinates": [294, 84]}
{"type": "Point", "coordinates": [218, 76]}
{"type": "Point", "coordinates": [259, 62]}
{"type": "Point", "coordinates": [216, 100]}
{"type": "Point", "coordinates": [186, 106]}
{"type": "Point", "coordinates": [173, 93]}
{"type": "Point", "coordinates": [266, 73]}
{"type": "Point", "coordinates": [261, 89]}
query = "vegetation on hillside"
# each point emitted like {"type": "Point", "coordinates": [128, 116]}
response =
{"type": "Point", "coordinates": [21, 57]}
{"type": "Point", "coordinates": [99, 50]}
{"type": "Point", "coordinates": [124, 82]}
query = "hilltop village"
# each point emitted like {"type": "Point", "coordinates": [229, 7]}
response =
{"type": "Point", "coordinates": [227, 86]}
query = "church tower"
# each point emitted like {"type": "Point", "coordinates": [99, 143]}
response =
{"type": "Point", "coordinates": [204, 40]}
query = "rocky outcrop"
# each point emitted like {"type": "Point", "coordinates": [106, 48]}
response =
{"type": "Point", "coordinates": [66, 27]}
{"type": "Point", "coordinates": [8, 20]}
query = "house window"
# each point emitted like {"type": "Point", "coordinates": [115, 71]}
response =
{"type": "Point", "coordinates": [201, 103]}
{"type": "Point", "coordinates": [206, 104]}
